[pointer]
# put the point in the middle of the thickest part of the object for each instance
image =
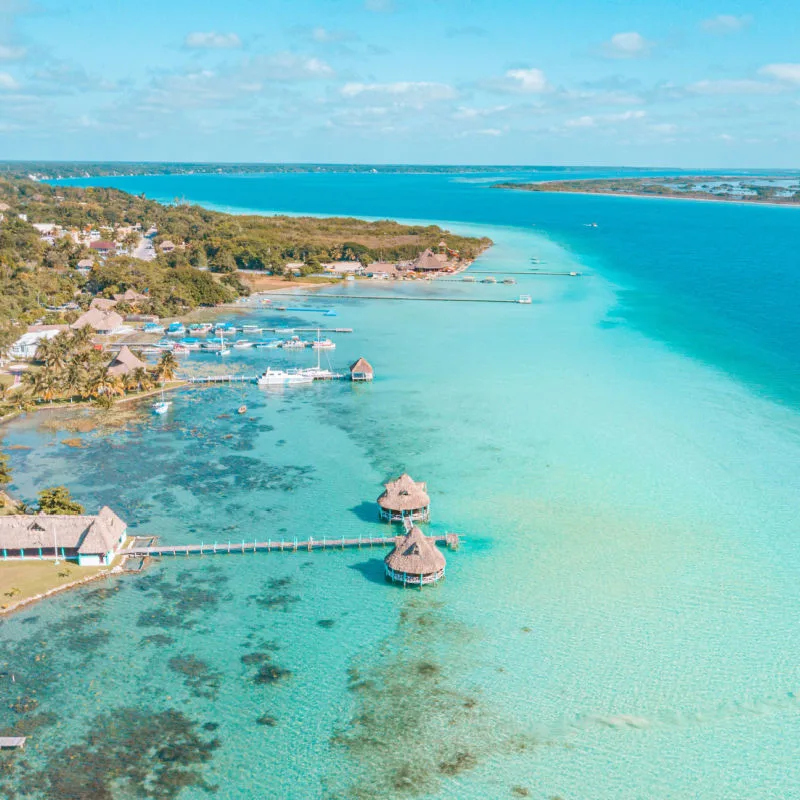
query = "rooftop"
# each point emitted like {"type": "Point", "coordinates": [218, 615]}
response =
{"type": "Point", "coordinates": [415, 554]}
{"type": "Point", "coordinates": [404, 494]}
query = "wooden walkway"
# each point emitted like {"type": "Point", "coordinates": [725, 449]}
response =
{"type": "Point", "coordinates": [224, 379]}
{"type": "Point", "coordinates": [398, 297]}
{"type": "Point", "coordinates": [449, 540]}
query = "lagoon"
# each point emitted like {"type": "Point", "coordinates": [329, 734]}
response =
{"type": "Point", "coordinates": [619, 458]}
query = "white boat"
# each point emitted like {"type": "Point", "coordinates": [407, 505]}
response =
{"type": "Point", "coordinates": [318, 373]}
{"type": "Point", "coordinates": [211, 347]}
{"type": "Point", "coordinates": [242, 344]}
{"type": "Point", "coordinates": [280, 377]}
{"type": "Point", "coordinates": [468, 279]}
{"type": "Point", "coordinates": [268, 345]}
{"type": "Point", "coordinates": [323, 344]}
{"type": "Point", "coordinates": [525, 299]}
{"type": "Point", "coordinates": [294, 344]}
{"type": "Point", "coordinates": [161, 406]}
{"type": "Point", "coordinates": [509, 281]}
{"type": "Point", "coordinates": [490, 279]}
{"type": "Point", "coordinates": [180, 350]}
{"type": "Point", "coordinates": [224, 351]}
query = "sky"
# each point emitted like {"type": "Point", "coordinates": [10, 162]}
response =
{"type": "Point", "coordinates": [585, 82]}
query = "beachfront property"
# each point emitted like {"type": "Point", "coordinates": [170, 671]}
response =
{"type": "Point", "coordinates": [91, 541]}
{"type": "Point", "coordinates": [103, 322]}
{"type": "Point", "coordinates": [103, 303]}
{"type": "Point", "coordinates": [125, 362]}
{"type": "Point", "coordinates": [26, 346]}
{"type": "Point", "coordinates": [361, 370]}
{"type": "Point", "coordinates": [415, 560]}
{"type": "Point", "coordinates": [405, 499]}
{"type": "Point", "coordinates": [103, 247]}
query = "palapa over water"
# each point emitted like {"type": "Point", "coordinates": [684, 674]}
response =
{"type": "Point", "coordinates": [415, 560]}
{"type": "Point", "coordinates": [404, 499]}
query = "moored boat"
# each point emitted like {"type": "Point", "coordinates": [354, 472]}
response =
{"type": "Point", "coordinates": [242, 344]}
{"type": "Point", "coordinates": [176, 329]}
{"type": "Point", "coordinates": [525, 299]}
{"type": "Point", "coordinates": [281, 377]}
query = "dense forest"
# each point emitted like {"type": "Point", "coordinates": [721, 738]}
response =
{"type": "Point", "coordinates": [209, 249]}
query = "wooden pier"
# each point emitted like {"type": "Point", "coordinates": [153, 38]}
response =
{"type": "Point", "coordinates": [224, 379]}
{"type": "Point", "coordinates": [408, 299]}
{"type": "Point", "coordinates": [449, 540]}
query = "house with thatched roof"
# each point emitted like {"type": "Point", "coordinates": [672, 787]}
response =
{"type": "Point", "coordinates": [130, 296]}
{"type": "Point", "coordinates": [92, 541]}
{"type": "Point", "coordinates": [103, 303]}
{"type": "Point", "coordinates": [124, 362]}
{"type": "Point", "coordinates": [404, 499]}
{"type": "Point", "coordinates": [103, 322]}
{"type": "Point", "coordinates": [415, 560]}
{"type": "Point", "coordinates": [167, 246]}
{"type": "Point", "coordinates": [427, 262]}
{"type": "Point", "coordinates": [361, 370]}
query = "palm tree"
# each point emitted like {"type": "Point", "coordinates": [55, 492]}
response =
{"type": "Point", "coordinates": [82, 337]}
{"type": "Point", "coordinates": [167, 364]}
{"type": "Point", "coordinates": [74, 377]}
{"type": "Point", "coordinates": [139, 379]}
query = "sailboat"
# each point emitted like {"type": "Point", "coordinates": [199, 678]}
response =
{"type": "Point", "coordinates": [323, 344]}
{"type": "Point", "coordinates": [223, 351]}
{"type": "Point", "coordinates": [318, 373]}
{"type": "Point", "coordinates": [161, 406]}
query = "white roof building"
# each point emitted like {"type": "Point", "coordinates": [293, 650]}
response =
{"type": "Point", "coordinates": [26, 346]}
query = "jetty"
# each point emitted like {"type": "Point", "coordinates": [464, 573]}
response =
{"type": "Point", "coordinates": [408, 299]}
{"type": "Point", "coordinates": [449, 540]}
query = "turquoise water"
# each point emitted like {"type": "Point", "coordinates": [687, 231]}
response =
{"type": "Point", "coordinates": [620, 457]}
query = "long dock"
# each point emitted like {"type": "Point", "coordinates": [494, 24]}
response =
{"type": "Point", "coordinates": [397, 297]}
{"type": "Point", "coordinates": [449, 540]}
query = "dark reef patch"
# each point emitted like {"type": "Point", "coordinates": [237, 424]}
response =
{"type": "Point", "coordinates": [198, 677]}
{"type": "Point", "coordinates": [326, 623]}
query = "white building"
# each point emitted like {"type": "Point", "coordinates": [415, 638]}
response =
{"type": "Point", "coordinates": [26, 346]}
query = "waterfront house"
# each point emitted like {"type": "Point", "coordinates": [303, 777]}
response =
{"type": "Point", "coordinates": [92, 541]}
{"type": "Point", "coordinates": [124, 362]}
{"type": "Point", "coordinates": [404, 499]}
{"type": "Point", "coordinates": [104, 322]}
{"type": "Point", "coordinates": [415, 560]}
{"type": "Point", "coordinates": [27, 344]}
{"type": "Point", "coordinates": [428, 261]}
{"type": "Point", "coordinates": [361, 370]}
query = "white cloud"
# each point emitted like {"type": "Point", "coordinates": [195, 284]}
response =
{"type": "Point", "coordinates": [581, 122]}
{"type": "Point", "coordinates": [627, 45]}
{"type": "Point", "coordinates": [744, 86]}
{"type": "Point", "coordinates": [588, 121]}
{"type": "Point", "coordinates": [11, 53]}
{"type": "Point", "coordinates": [7, 82]}
{"type": "Point", "coordinates": [726, 23]}
{"type": "Point", "coordinates": [529, 80]}
{"type": "Point", "coordinates": [414, 92]}
{"type": "Point", "coordinates": [325, 36]}
{"type": "Point", "coordinates": [378, 5]}
{"type": "Point", "coordinates": [212, 41]}
{"type": "Point", "coordinates": [790, 73]}
{"type": "Point", "coordinates": [287, 67]}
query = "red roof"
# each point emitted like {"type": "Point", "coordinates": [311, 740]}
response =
{"type": "Point", "coordinates": [101, 245]}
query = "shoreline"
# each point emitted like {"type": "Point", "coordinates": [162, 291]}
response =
{"type": "Point", "coordinates": [633, 195]}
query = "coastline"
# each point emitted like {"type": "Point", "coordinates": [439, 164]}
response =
{"type": "Point", "coordinates": [640, 196]}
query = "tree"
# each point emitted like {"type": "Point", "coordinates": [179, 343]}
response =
{"type": "Point", "coordinates": [138, 379]}
{"type": "Point", "coordinates": [57, 500]}
{"type": "Point", "coordinates": [167, 364]}
{"type": "Point", "coordinates": [5, 470]}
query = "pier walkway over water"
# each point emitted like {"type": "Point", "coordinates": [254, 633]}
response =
{"type": "Point", "coordinates": [449, 540]}
{"type": "Point", "coordinates": [329, 297]}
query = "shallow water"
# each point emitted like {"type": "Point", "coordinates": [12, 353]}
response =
{"type": "Point", "coordinates": [620, 621]}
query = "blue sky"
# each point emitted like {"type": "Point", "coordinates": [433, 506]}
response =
{"type": "Point", "coordinates": [650, 82]}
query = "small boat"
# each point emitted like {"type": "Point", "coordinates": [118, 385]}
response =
{"type": "Point", "coordinates": [468, 279]}
{"type": "Point", "coordinates": [241, 410]}
{"type": "Point", "coordinates": [509, 281]}
{"type": "Point", "coordinates": [525, 299]}
{"type": "Point", "coordinates": [280, 377]}
{"type": "Point", "coordinates": [324, 344]}
{"type": "Point", "coordinates": [189, 342]}
{"type": "Point", "coordinates": [211, 347]}
{"type": "Point", "coordinates": [490, 279]}
{"type": "Point", "coordinates": [176, 329]}
{"type": "Point", "coordinates": [161, 406]}
{"type": "Point", "coordinates": [242, 344]}
{"type": "Point", "coordinates": [590, 225]}
{"type": "Point", "coordinates": [275, 343]}
{"type": "Point", "coordinates": [224, 351]}
{"type": "Point", "coordinates": [294, 343]}
{"type": "Point", "coordinates": [153, 327]}
{"type": "Point", "coordinates": [180, 349]}
{"type": "Point", "coordinates": [251, 329]}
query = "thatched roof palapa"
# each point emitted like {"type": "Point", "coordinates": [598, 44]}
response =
{"type": "Point", "coordinates": [428, 261]}
{"type": "Point", "coordinates": [103, 303]}
{"type": "Point", "coordinates": [362, 366]}
{"type": "Point", "coordinates": [415, 554]}
{"type": "Point", "coordinates": [124, 362]}
{"type": "Point", "coordinates": [404, 494]}
{"type": "Point", "coordinates": [99, 320]}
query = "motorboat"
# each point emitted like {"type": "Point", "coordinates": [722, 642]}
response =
{"type": "Point", "coordinates": [176, 329]}
{"type": "Point", "coordinates": [242, 344]}
{"type": "Point", "coordinates": [280, 377]}
{"type": "Point", "coordinates": [294, 344]}
{"type": "Point", "coordinates": [161, 407]}
{"type": "Point", "coordinates": [509, 281]}
{"type": "Point", "coordinates": [525, 299]}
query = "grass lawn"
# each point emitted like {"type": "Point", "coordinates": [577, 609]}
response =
{"type": "Point", "coordinates": [34, 577]}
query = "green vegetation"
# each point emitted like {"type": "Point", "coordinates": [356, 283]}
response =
{"type": "Point", "coordinates": [778, 189]}
{"type": "Point", "coordinates": [201, 269]}
{"type": "Point", "coordinates": [57, 500]}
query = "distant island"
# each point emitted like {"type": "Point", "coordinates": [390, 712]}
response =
{"type": "Point", "coordinates": [780, 190]}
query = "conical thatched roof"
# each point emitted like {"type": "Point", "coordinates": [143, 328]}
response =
{"type": "Point", "coordinates": [362, 365]}
{"type": "Point", "coordinates": [427, 261]}
{"type": "Point", "coordinates": [404, 494]}
{"type": "Point", "coordinates": [124, 362]}
{"type": "Point", "coordinates": [415, 554]}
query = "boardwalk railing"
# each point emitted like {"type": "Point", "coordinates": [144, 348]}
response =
{"type": "Point", "coordinates": [449, 540]}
